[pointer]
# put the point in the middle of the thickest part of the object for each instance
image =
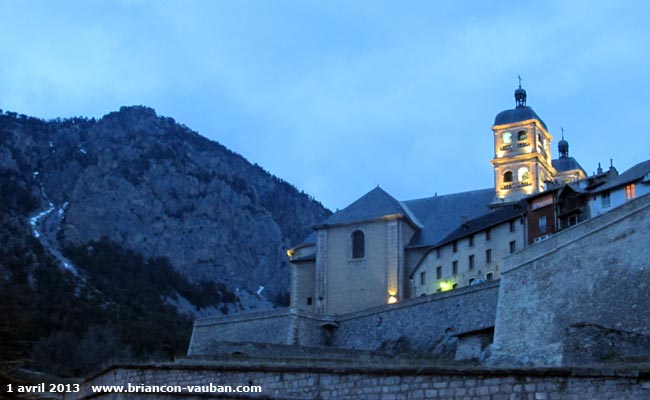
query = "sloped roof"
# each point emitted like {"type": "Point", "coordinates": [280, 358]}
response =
{"type": "Point", "coordinates": [489, 220]}
{"type": "Point", "coordinates": [564, 164]}
{"type": "Point", "coordinates": [374, 204]}
{"type": "Point", "coordinates": [440, 215]}
{"type": "Point", "coordinates": [631, 175]}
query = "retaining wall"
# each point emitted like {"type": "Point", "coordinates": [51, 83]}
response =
{"type": "Point", "coordinates": [370, 382]}
{"type": "Point", "coordinates": [419, 323]}
{"type": "Point", "coordinates": [597, 272]}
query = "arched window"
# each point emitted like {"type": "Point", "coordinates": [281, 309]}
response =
{"type": "Point", "coordinates": [523, 175]}
{"type": "Point", "coordinates": [507, 176]}
{"type": "Point", "coordinates": [522, 135]}
{"type": "Point", "coordinates": [358, 244]}
{"type": "Point", "coordinates": [506, 137]}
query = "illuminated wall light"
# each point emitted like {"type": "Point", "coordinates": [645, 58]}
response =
{"type": "Point", "coordinates": [289, 253]}
{"type": "Point", "coordinates": [392, 299]}
{"type": "Point", "coordinates": [392, 292]}
{"type": "Point", "coordinates": [446, 285]}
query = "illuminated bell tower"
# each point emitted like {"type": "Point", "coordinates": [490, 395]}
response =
{"type": "Point", "coordinates": [522, 152]}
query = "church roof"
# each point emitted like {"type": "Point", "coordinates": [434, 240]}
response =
{"type": "Point", "coordinates": [486, 221]}
{"type": "Point", "coordinates": [375, 204]}
{"type": "Point", "coordinates": [517, 114]}
{"type": "Point", "coordinates": [633, 174]}
{"type": "Point", "coordinates": [564, 164]}
{"type": "Point", "coordinates": [440, 215]}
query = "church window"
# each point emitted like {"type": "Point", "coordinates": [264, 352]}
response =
{"type": "Point", "coordinates": [488, 256]}
{"type": "Point", "coordinates": [454, 267]}
{"type": "Point", "coordinates": [507, 177]}
{"type": "Point", "coordinates": [471, 262]}
{"type": "Point", "coordinates": [513, 246]}
{"type": "Point", "coordinates": [522, 135]}
{"type": "Point", "coordinates": [605, 200]}
{"type": "Point", "coordinates": [471, 240]}
{"type": "Point", "coordinates": [542, 224]}
{"type": "Point", "coordinates": [506, 138]}
{"type": "Point", "coordinates": [438, 272]}
{"type": "Point", "coordinates": [523, 175]}
{"type": "Point", "coordinates": [423, 278]}
{"type": "Point", "coordinates": [358, 244]}
{"type": "Point", "coordinates": [630, 192]}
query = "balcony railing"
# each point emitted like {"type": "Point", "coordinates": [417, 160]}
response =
{"type": "Point", "coordinates": [515, 185]}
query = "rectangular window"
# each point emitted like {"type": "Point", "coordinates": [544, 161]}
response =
{"type": "Point", "coordinates": [605, 200]}
{"type": "Point", "coordinates": [471, 262]}
{"type": "Point", "coordinates": [512, 226]}
{"type": "Point", "coordinates": [488, 235]}
{"type": "Point", "coordinates": [489, 276]}
{"type": "Point", "coordinates": [542, 224]}
{"type": "Point", "coordinates": [630, 192]}
{"type": "Point", "coordinates": [454, 267]}
{"type": "Point", "coordinates": [455, 246]}
{"type": "Point", "coordinates": [309, 301]}
{"type": "Point", "coordinates": [438, 252]}
{"type": "Point", "coordinates": [471, 240]}
{"type": "Point", "coordinates": [423, 278]}
{"type": "Point", "coordinates": [471, 280]}
{"type": "Point", "coordinates": [513, 246]}
{"type": "Point", "coordinates": [488, 256]}
{"type": "Point", "coordinates": [438, 272]}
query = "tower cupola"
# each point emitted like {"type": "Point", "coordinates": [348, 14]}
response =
{"type": "Point", "coordinates": [520, 96]}
{"type": "Point", "coordinates": [563, 147]}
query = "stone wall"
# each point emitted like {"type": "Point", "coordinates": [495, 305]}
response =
{"type": "Point", "coordinates": [389, 382]}
{"type": "Point", "coordinates": [423, 321]}
{"type": "Point", "coordinates": [589, 344]}
{"type": "Point", "coordinates": [282, 326]}
{"type": "Point", "coordinates": [419, 323]}
{"type": "Point", "coordinates": [596, 272]}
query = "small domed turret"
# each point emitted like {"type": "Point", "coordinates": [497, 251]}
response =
{"type": "Point", "coordinates": [563, 147]}
{"type": "Point", "coordinates": [520, 96]}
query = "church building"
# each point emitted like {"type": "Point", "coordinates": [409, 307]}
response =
{"type": "Point", "coordinates": [381, 250]}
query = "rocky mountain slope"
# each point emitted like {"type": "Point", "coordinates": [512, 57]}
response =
{"type": "Point", "coordinates": [115, 228]}
{"type": "Point", "coordinates": [162, 190]}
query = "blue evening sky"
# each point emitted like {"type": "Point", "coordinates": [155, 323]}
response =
{"type": "Point", "coordinates": [336, 97]}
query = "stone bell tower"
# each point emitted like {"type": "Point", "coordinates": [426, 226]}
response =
{"type": "Point", "coordinates": [522, 152]}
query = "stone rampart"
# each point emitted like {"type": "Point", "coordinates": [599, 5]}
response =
{"type": "Point", "coordinates": [597, 272]}
{"type": "Point", "coordinates": [389, 382]}
{"type": "Point", "coordinates": [417, 324]}
{"type": "Point", "coordinates": [421, 323]}
{"type": "Point", "coordinates": [282, 326]}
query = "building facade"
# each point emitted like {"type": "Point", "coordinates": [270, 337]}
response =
{"type": "Point", "coordinates": [379, 250]}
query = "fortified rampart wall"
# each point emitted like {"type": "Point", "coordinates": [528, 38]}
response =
{"type": "Point", "coordinates": [597, 272]}
{"type": "Point", "coordinates": [282, 326]}
{"type": "Point", "coordinates": [417, 323]}
{"type": "Point", "coordinates": [315, 381]}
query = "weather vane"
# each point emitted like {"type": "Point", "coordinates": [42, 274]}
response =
{"type": "Point", "coordinates": [562, 128]}
{"type": "Point", "coordinates": [519, 77]}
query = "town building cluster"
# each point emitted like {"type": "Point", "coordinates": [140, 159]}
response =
{"type": "Point", "coordinates": [380, 250]}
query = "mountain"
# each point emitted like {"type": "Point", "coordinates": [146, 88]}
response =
{"type": "Point", "coordinates": [133, 196]}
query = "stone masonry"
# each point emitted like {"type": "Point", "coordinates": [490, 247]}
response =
{"type": "Point", "coordinates": [373, 382]}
